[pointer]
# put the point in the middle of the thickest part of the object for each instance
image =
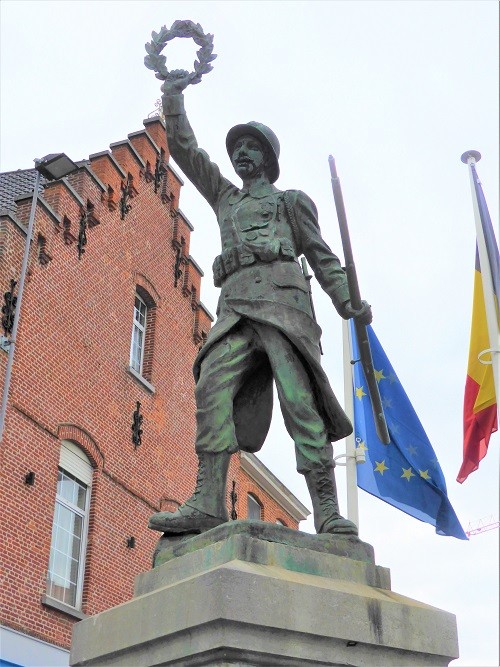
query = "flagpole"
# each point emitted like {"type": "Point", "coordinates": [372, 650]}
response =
{"type": "Point", "coordinates": [470, 158]}
{"type": "Point", "coordinates": [350, 442]}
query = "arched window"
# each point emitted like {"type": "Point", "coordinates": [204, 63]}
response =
{"type": "Point", "coordinates": [138, 334]}
{"type": "Point", "coordinates": [143, 330]}
{"type": "Point", "coordinates": [254, 508]}
{"type": "Point", "coordinates": [70, 527]}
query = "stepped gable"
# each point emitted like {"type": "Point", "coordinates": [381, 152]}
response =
{"type": "Point", "coordinates": [108, 182]}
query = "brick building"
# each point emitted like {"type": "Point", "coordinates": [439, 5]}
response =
{"type": "Point", "coordinates": [111, 321]}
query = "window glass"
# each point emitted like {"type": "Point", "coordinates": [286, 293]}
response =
{"type": "Point", "coordinates": [67, 551]}
{"type": "Point", "coordinates": [69, 488]}
{"type": "Point", "coordinates": [140, 311]}
{"type": "Point", "coordinates": [254, 508]}
{"type": "Point", "coordinates": [138, 334]}
{"type": "Point", "coordinates": [137, 347]}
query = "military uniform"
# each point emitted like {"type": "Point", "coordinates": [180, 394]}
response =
{"type": "Point", "coordinates": [265, 328]}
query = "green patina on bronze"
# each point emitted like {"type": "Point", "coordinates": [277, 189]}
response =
{"type": "Point", "coordinates": [265, 328]}
{"type": "Point", "coordinates": [291, 549]}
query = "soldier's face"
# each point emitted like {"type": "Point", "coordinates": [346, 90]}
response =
{"type": "Point", "coordinates": [249, 157]}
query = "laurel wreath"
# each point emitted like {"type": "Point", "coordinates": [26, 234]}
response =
{"type": "Point", "coordinates": [157, 62]}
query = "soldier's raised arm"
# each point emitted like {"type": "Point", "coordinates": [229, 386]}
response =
{"type": "Point", "coordinates": [193, 161]}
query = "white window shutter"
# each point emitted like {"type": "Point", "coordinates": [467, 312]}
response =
{"type": "Point", "coordinates": [76, 462]}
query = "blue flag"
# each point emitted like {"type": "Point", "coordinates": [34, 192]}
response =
{"type": "Point", "coordinates": [405, 473]}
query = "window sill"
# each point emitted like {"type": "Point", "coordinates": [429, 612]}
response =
{"type": "Point", "coordinates": [137, 376]}
{"type": "Point", "coordinates": [62, 606]}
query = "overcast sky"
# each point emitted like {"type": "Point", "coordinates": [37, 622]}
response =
{"type": "Point", "coordinates": [396, 91]}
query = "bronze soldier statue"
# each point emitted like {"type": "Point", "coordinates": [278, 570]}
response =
{"type": "Point", "coordinates": [264, 329]}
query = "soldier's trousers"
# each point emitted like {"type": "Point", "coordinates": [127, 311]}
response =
{"type": "Point", "coordinates": [222, 374]}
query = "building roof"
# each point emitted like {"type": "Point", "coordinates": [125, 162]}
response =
{"type": "Point", "coordinates": [14, 184]}
{"type": "Point", "coordinates": [272, 485]}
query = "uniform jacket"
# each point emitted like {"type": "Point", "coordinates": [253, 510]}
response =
{"type": "Point", "coordinates": [263, 232]}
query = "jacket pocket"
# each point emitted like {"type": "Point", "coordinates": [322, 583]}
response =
{"type": "Point", "coordinates": [288, 274]}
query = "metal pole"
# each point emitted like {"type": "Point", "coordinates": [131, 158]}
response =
{"type": "Point", "coordinates": [488, 292]}
{"type": "Point", "coordinates": [350, 443]}
{"type": "Point", "coordinates": [12, 341]}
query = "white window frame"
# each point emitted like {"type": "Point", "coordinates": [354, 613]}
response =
{"type": "Point", "coordinates": [136, 325]}
{"type": "Point", "coordinates": [73, 461]}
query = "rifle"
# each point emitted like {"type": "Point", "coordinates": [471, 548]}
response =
{"type": "Point", "coordinates": [362, 336]}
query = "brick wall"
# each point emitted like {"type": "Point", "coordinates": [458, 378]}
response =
{"type": "Point", "coordinates": [272, 510]}
{"type": "Point", "coordinates": [71, 378]}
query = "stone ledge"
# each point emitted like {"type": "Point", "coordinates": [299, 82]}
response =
{"type": "Point", "coordinates": [348, 546]}
{"type": "Point", "coordinates": [142, 380]}
{"type": "Point", "coordinates": [195, 556]}
{"type": "Point", "coordinates": [62, 606]}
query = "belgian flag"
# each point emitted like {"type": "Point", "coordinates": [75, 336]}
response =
{"type": "Point", "coordinates": [480, 400]}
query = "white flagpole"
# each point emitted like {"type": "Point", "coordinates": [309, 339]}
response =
{"type": "Point", "coordinates": [470, 158]}
{"type": "Point", "coordinates": [350, 442]}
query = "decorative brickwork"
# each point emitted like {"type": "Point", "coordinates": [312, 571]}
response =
{"type": "Point", "coordinates": [84, 440]}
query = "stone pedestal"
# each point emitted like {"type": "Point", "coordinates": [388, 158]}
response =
{"type": "Point", "coordinates": [250, 593]}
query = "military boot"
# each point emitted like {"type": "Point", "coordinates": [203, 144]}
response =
{"type": "Point", "coordinates": [323, 491]}
{"type": "Point", "coordinates": [207, 506]}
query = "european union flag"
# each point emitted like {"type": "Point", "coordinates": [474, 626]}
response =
{"type": "Point", "coordinates": [405, 473]}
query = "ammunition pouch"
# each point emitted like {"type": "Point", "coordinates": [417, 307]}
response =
{"type": "Point", "coordinates": [245, 254]}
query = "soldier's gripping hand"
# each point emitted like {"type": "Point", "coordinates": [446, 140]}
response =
{"type": "Point", "coordinates": [364, 314]}
{"type": "Point", "coordinates": [177, 81]}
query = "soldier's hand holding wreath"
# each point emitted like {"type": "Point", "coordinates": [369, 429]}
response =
{"type": "Point", "coordinates": [177, 80]}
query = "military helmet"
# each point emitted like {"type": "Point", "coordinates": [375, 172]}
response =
{"type": "Point", "coordinates": [265, 135]}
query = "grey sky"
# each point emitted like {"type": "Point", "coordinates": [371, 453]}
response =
{"type": "Point", "coordinates": [396, 91]}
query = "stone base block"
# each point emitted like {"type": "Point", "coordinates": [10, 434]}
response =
{"type": "Point", "coordinates": [238, 599]}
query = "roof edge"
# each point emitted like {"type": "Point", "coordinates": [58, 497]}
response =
{"type": "Point", "coordinates": [272, 485]}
